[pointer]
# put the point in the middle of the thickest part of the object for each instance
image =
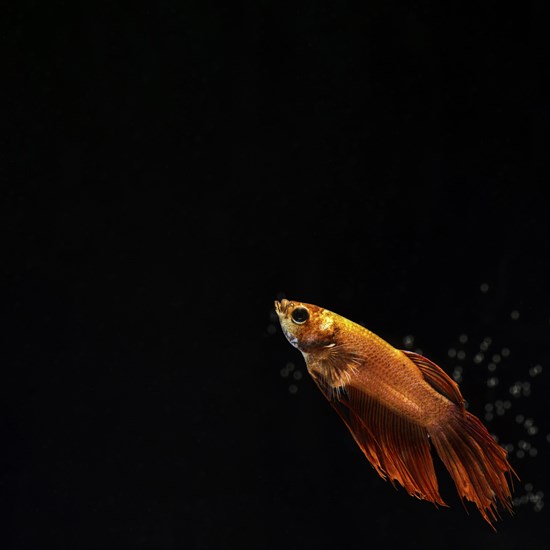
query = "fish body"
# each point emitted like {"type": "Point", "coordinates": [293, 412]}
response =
{"type": "Point", "coordinates": [394, 403]}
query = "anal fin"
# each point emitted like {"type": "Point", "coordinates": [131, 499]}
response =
{"type": "Point", "coordinates": [398, 449]}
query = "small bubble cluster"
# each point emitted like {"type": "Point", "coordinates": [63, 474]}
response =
{"type": "Point", "coordinates": [530, 497]}
{"type": "Point", "coordinates": [528, 424]}
{"type": "Point", "coordinates": [524, 446]}
{"type": "Point", "coordinates": [498, 408]}
{"type": "Point", "coordinates": [485, 343]}
{"type": "Point", "coordinates": [457, 374]}
{"type": "Point", "coordinates": [478, 357]}
{"type": "Point", "coordinates": [294, 374]}
{"type": "Point", "coordinates": [493, 360]}
{"type": "Point", "coordinates": [520, 389]}
{"type": "Point", "coordinates": [494, 365]}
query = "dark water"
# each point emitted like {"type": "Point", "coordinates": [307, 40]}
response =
{"type": "Point", "coordinates": [170, 171]}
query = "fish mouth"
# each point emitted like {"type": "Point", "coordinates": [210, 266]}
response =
{"type": "Point", "coordinates": [282, 306]}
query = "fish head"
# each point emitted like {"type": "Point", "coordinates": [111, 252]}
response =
{"type": "Point", "coordinates": [306, 327]}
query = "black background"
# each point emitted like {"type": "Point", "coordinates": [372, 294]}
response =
{"type": "Point", "coordinates": [172, 168]}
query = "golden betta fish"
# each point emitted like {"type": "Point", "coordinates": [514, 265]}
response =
{"type": "Point", "coordinates": [394, 402]}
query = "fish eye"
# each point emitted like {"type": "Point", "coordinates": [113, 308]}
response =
{"type": "Point", "coordinates": [300, 315]}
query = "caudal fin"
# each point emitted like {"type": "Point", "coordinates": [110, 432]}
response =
{"type": "Point", "coordinates": [477, 464]}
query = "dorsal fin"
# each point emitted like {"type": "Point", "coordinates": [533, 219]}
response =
{"type": "Point", "coordinates": [437, 377]}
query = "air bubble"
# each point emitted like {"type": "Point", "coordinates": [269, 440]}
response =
{"type": "Point", "coordinates": [520, 453]}
{"type": "Point", "coordinates": [478, 358]}
{"type": "Point", "coordinates": [297, 375]}
{"type": "Point", "coordinates": [496, 358]}
{"type": "Point", "coordinates": [534, 371]}
{"type": "Point", "coordinates": [514, 315]}
{"type": "Point", "coordinates": [461, 355]}
{"type": "Point", "coordinates": [408, 341]}
{"type": "Point", "coordinates": [520, 418]}
{"type": "Point", "coordinates": [492, 382]}
{"type": "Point", "coordinates": [451, 352]}
{"type": "Point", "coordinates": [489, 407]}
{"type": "Point", "coordinates": [505, 352]}
{"type": "Point", "coordinates": [289, 367]}
{"type": "Point", "coordinates": [293, 388]}
{"type": "Point", "coordinates": [488, 416]}
{"type": "Point", "coordinates": [484, 346]}
{"type": "Point", "coordinates": [528, 487]}
{"type": "Point", "coordinates": [271, 329]}
{"type": "Point", "coordinates": [457, 374]}
{"type": "Point", "coordinates": [533, 452]}
{"type": "Point", "coordinates": [463, 338]}
{"type": "Point", "coordinates": [484, 287]}
{"type": "Point", "coordinates": [491, 367]}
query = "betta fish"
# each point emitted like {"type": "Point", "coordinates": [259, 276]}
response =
{"type": "Point", "coordinates": [395, 403]}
